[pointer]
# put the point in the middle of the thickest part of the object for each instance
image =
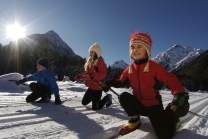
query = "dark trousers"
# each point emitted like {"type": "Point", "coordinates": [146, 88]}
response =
{"type": "Point", "coordinates": [162, 122]}
{"type": "Point", "coordinates": [38, 90]}
{"type": "Point", "coordinates": [94, 96]}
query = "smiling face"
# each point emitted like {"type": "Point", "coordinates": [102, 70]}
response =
{"type": "Point", "coordinates": [40, 67]}
{"type": "Point", "coordinates": [138, 52]}
{"type": "Point", "coordinates": [92, 54]}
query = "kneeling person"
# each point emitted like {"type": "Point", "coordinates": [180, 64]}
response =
{"type": "Point", "coordinates": [46, 84]}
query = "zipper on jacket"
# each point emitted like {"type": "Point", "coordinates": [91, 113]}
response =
{"type": "Point", "coordinates": [139, 82]}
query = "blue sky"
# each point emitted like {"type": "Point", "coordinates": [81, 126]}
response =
{"type": "Point", "coordinates": [81, 23]}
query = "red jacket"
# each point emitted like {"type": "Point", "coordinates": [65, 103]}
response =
{"type": "Point", "coordinates": [98, 73]}
{"type": "Point", "coordinates": [143, 83]}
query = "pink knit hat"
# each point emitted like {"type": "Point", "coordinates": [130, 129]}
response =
{"type": "Point", "coordinates": [144, 40]}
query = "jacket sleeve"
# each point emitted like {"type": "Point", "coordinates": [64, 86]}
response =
{"type": "Point", "coordinates": [101, 73]}
{"type": "Point", "coordinates": [169, 80]}
{"type": "Point", "coordinates": [118, 83]}
{"type": "Point", "coordinates": [53, 85]}
{"type": "Point", "coordinates": [34, 77]}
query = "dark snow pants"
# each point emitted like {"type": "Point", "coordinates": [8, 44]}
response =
{"type": "Point", "coordinates": [38, 90]}
{"type": "Point", "coordinates": [94, 96]}
{"type": "Point", "coordinates": [162, 122]}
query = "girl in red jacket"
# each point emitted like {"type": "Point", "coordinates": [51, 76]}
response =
{"type": "Point", "coordinates": [145, 99]}
{"type": "Point", "coordinates": [95, 71]}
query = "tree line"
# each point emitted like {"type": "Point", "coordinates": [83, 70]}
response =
{"type": "Point", "coordinates": [194, 76]}
{"type": "Point", "coordinates": [22, 59]}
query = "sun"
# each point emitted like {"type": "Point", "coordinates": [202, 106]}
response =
{"type": "Point", "coordinates": [15, 31]}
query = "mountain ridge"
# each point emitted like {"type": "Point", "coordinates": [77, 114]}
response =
{"type": "Point", "coordinates": [177, 56]}
{"type": "Point", "coordinates": [174, 58]}
{"type": "Point", "coordinates": [50, 37]}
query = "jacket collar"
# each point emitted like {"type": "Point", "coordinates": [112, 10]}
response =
{"type": "Point", "coordinates": [142, 61]}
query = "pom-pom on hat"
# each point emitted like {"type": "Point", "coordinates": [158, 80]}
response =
{"type": "Point", "coordinates": [96, 48]}
{"type": "Point", "coordinates": [144, 40]}
{"type": "Point", "coordinates": [43, 62]}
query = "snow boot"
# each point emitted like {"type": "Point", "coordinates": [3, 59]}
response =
{"type": "Point", "coordinates": [132, 125]}
{"type": "Point", "coordinates": [109, 102]}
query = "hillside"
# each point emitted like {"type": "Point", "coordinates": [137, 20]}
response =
{"type": "Point", "coordinates": [177, 56]}
{"type": "Point", "coordinates": [195, 74]}
{"type": "Point", "coordinates": [50, 39]}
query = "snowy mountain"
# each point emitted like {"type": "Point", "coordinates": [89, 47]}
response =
{"type": "Point", "coordinates": [119, 64]}
{"type": "Point", "coordinates": [174, 58]}
{"type": "Point", "coordinates": [177, 57]}
{"type": "Point", "coordinates": [50, 37]}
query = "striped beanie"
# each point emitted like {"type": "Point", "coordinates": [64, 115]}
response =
{"type": "Point", "coordinates": [144, 40]}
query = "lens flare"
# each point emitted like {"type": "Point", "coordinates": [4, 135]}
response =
{"type": "Point", "coordinates": [15, 31]}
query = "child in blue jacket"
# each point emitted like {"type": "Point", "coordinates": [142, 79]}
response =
{"type": "Point", "coordinates": [46, 84]}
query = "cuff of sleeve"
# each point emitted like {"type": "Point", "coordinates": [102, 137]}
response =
{"type": "Point", "coordinates": [109, 83]}
{"type": "Point", "coordinates": [81, 76]}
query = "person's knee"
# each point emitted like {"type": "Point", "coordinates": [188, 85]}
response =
{"type": "Point", "coordinates": [28, 100]}
{"type": "Point", "coordinates": [32, 97]}
{"type": "Point", "coordinates": [124, 96]}
{"type": "Point", "coordinates": [84, 103]}
{"type": "Point", "coordinates": [32, 85]}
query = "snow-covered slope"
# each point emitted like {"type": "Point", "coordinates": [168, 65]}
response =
{"type": "Point", "coordinates": [71, 120]}
{"type": "Point", "coordinates": [119, 64]}
{"type": "Point", "coordinates": [177, 57]}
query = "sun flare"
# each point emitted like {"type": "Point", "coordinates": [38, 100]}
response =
{"type": "Point", "coordinates": [15, 31]}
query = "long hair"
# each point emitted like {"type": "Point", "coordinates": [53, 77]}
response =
{"type": "Point", "coordinates": [91, 62]}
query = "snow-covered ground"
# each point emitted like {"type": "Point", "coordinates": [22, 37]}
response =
{"type": "Point", "coordinates": [71, 120]}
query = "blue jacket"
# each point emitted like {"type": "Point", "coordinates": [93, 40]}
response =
{"type": "Point", "coordinates": [47, 78]}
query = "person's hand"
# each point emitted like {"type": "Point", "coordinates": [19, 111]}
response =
{"type": "Point", "coordinates": [87, 76]}
{"type": "Point", "coordinates": [179, 100]}
{"type": "Point", "coordinates": [57, 100]}
{"type": "Point", "coordinates": [77, 78]}
{"type": "Point", "coordinates": [179, 105]}
{"type": "Point", "coordinates": [20, 81]}
{"type": "Point", "coordinates": [102, 84]}
{"type": "Point", "coordinates": [104, 87]}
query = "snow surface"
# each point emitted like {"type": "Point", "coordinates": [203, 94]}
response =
{"type": "Point", "coordinates": [71, 120]}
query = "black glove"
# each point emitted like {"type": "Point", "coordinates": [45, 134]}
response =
{"type": "Point", "coordinates": [104, 87]}
{"type": "Point", "coordinates": [57, 100]}
{"type": "Point", "coordinates": [181, 101]}
{"type": "Point", "coordinates": [20, 81]}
